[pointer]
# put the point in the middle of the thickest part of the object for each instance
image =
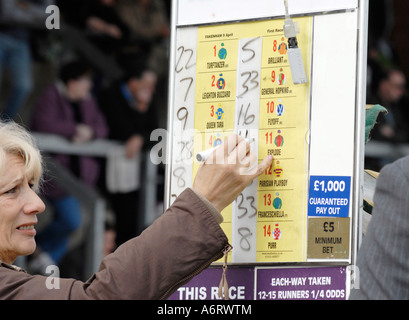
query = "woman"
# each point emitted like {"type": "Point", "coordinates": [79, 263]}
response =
{"type": "Point", "coordinates": [20, 171]}
{"type": "Point", "coordinates": [176, 247]}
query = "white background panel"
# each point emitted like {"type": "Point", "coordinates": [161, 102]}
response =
{"type": "Point", "coordinates": [333, 94]}
{"type": "Point", "coordinates": [211, 11]}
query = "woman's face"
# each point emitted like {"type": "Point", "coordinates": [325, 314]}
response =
{"type": "Point", "coordinates": [19, 206]}
{"type": "Point", "coordinates": [80, 88]}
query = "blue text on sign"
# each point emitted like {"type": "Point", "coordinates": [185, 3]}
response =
{"type": "Point", "coordinates": [329, 196]}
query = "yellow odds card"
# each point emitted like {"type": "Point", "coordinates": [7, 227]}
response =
{"type": "Point", "coordinates": [232, 61]}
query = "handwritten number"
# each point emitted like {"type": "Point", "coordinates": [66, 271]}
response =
{"type": "Point", "coordinates": [186, 152]}
{"type": "Point", "coordinates": [178, 173]}
{"type": "Point", "coordinates": [253, 53]}
{"type": "Point", "coordinates": [251, 199]}
{"type": "Point", "coordinates": [245, 233]}
{"type": "Point", "coordinates": [184, 116]}
{"type": "Point", "coordinates": [190, 84]}
{"type": "Point", "coordinates": [253, 81]}
{"type": "Point", "coordinates": [248, 81]}
{"type": "Point", "coordinates": [241, 208]}
{"type": "Point", "coordinates": [248, 119]}
{"type": "Point", "coordinates": [187, 65]}
{"type": "Point", "coordinates": [246, 88]}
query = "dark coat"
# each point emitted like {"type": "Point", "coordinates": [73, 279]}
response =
{"type": "Point", "coordinates": [53, 114]}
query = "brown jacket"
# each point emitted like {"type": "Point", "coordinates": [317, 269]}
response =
{"type": "Point", "coordinates": [176, 247]}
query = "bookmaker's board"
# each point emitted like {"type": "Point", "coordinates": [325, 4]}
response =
{"type": "Point", "coordinates": [230, 73]}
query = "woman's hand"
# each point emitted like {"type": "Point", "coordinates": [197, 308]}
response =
{"type": "Point", "coordinates": [227, 172]}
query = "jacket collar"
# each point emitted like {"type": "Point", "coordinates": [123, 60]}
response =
{"type": "Point", "coordinates": [12, 267]}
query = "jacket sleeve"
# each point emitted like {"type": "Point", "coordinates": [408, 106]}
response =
{"type": "Point", "coordinates": [97, 120]}
{"type": "Point", "coordinates": [383, 262]}
{"type": "Point", "coordinates": [176, 247]}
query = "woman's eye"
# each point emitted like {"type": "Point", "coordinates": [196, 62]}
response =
{"type": "Point", "coordinates": [11, 191]}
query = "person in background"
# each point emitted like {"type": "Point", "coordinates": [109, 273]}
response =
{"type": "Point", "coordinates": [130, 118]}
{"type": "Point", "coordinates": [149, 33]}
{"type": "Point", "coordinates": [103, 27]}
{"type": "Point", "coordinates": [391, 127]}
{"type": "Point", "coordinates": [17, 19]}
{"type": "Point", "coordinates": [390, 93]}
{"type": "Point", "coordinates": [67, 108]}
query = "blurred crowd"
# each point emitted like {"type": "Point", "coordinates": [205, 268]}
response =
{"type": "Point", "coordinates": [100, 71]}
{"type": "Point", "coordinates": [386, 77]}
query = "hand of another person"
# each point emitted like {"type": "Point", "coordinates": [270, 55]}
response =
{"type": "Point", "coordinates": [83, 133]}
{"type": "Point", "coordinates": [225, 174]}
{"type": "Point", "coordinates": [133, 146]}
{"type": "Point", "coordinates": [96, 24]}
{"type": "Point", "coordinates": [113, 31]}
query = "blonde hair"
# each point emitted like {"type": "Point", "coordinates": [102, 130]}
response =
{"type": "Point", "coordinates": [15, 140]}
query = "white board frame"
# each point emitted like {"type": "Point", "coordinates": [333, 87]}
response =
{"type": "Point", "coordinates": [196, 12]}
